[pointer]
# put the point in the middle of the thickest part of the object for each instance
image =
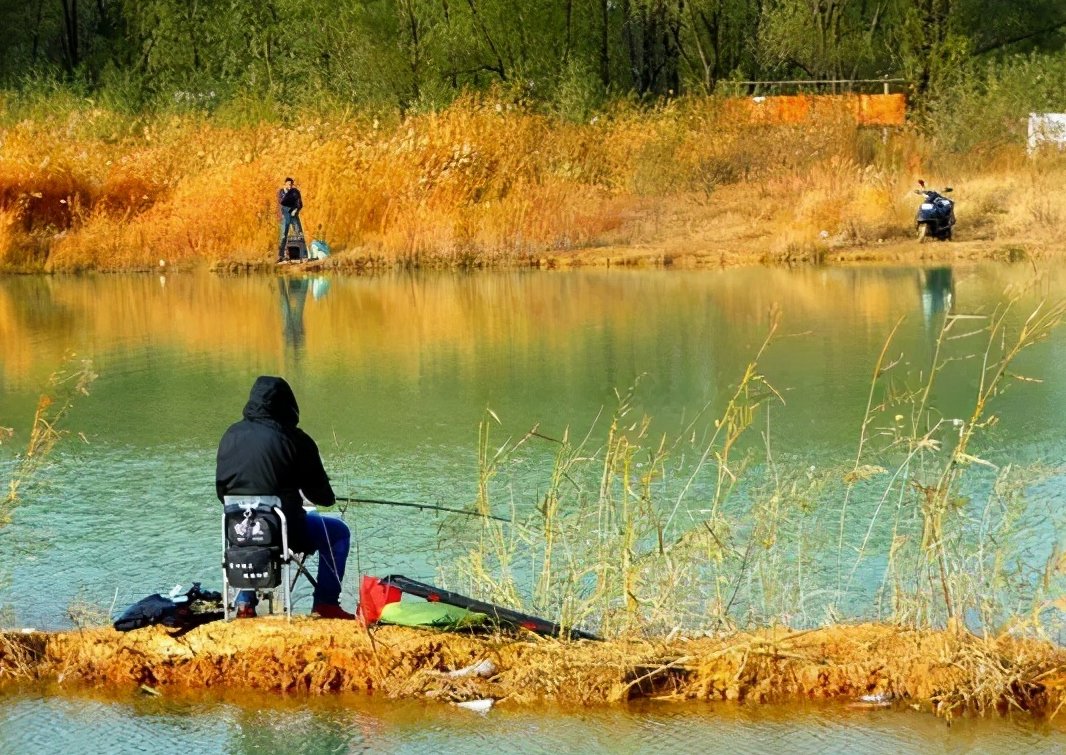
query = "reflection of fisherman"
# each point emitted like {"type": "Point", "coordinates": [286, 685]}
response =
{"type": "Point", "coordinates": [289, 205]}
{"type": "Point", "coordinates": [292, 294]}
{"type": "Point", "coordinates": [937, 290]}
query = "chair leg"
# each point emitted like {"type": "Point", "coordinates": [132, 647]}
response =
{"type": "Point", "coordinates": [225, 594]}
{"type": "Point", "coordinates": [298, 561]}
{"type": "Point", "coordinates": [288, 588]}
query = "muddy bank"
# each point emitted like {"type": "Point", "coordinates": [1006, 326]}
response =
{"type": "Point", "coordinates": [677, 256]}
{"type": "Point", "coordinates": [943, 672]}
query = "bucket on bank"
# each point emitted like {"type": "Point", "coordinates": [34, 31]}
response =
{"type": "Point", "coordinates": [319, 250]}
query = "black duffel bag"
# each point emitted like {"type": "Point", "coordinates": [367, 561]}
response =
{"type": "Point", "coordinates": [194, 608]}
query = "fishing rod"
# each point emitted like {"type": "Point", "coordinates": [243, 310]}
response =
{"type": "Point", "coordinates": [422, 507]}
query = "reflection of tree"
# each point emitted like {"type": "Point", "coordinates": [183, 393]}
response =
{"type": "Point", "coordinates": [29, 313]}
{"type": "Point", "coordinates": [292, 294]}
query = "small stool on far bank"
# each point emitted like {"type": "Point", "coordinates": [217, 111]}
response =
{"type": "Point", "coordinates": [256, 552]}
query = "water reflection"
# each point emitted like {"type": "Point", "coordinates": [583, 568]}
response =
{"type": "Point", "coordinates": [292, 298]}
{"type": "Point", "coordinates": [937, 287]}
{"type": "Point", "coordinates": [292, 295]}
{"type": "Point", "coordinates": [535, 348]}
{"type": "Point", "coordinates": [261, 723]}
{"type": "Point", "coordinates": [319, 287]}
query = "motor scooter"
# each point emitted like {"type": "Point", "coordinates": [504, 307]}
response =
{"type": "Point", "coordinates": [936, 214]}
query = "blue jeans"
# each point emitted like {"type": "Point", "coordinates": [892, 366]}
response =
{"type": "Point", "coordinates": [288, 220]}
{"type": "Point", "coordinates": [331, 538]}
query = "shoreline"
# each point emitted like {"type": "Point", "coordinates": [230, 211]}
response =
{"type": "Point", "coordinates": [673, 257]}
{"type": "Point", "coordinates": [476, 186]}
{"type": "Point", "coordinates": [638, 256]}
{"type": "Point", "coordinates": [943, 672]}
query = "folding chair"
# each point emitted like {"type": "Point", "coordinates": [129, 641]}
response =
{"type": "Point", "coordinates": [256, 552]}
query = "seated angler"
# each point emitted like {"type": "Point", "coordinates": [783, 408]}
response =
{"type": "Point", "coordinates": [267, 454]}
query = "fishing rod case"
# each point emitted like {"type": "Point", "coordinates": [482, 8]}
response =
{"type": "Point", "coordinates": [377, 593]}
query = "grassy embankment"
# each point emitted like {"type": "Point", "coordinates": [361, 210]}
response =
{"type": "Point", "coordinates": [943, 672]}
{"type": "Point", "coordinates": [484, 183]}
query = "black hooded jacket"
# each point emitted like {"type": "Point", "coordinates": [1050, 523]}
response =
{"type": "Point", "coordinates": [267, 454]}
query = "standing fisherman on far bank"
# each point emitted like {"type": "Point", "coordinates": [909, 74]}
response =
{"type": "Point", "coordinates": [289, 204]}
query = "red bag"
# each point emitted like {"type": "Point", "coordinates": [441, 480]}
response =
{"type": "Point", "coordinates": [374, 595]}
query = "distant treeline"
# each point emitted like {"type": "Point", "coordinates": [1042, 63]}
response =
{"type": "Point", "coordinates": [573, 54]}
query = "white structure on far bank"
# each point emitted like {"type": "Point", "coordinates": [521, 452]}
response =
{"type": "Point", "coordinates": [1047, 128]}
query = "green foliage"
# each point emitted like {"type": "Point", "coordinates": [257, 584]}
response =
{"type": "Point", "coordinates": [273, 58]}
{"type": "Point", "coordinates": [831, 39]}
{"type": "Point", "coordinates": [986, 104]}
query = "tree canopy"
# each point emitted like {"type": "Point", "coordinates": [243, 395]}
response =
{"type": "Point", "coordinates": [420, 53]}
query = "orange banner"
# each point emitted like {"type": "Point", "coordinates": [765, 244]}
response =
{"type": "Point", "coordinates": [865, 109]}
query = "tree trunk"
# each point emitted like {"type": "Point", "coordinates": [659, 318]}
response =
{"type": "Point", "coordinates": [652, 32]}
{"type": "Point", "coordinates": [36, 34]}
{"type": "Point", "coordinates": [413, 48]}
{"type": "Point", "coordinates": [499, 68]}
{"type": "Point", "coordinates": [70, 33]}
{"type": "Point", "coordinates": [605, 48]}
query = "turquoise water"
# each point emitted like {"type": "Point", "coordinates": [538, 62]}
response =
{"type": "Point", "coordinates": [394, 375]}
{"type": "Point", "coordinates": [345, 724]}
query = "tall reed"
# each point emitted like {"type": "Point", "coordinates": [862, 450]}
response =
{"type": "Point", "coordinates": [46, 431]}
{"type": "Point", "coordinates": [648, 534]}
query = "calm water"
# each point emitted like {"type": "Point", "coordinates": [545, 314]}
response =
{"type": "Point", "coordinates": [344, 724]}
{"type": "Point", "coordinates": [393, 375]}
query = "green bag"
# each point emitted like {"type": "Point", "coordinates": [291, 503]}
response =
{"type": "Point", "coordinates": [427, 614]}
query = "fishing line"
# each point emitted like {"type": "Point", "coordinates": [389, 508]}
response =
{"type": "Point", "coordinates": [331, 563]}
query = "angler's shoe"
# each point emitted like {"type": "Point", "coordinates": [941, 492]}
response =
{"type": "Point", "coordinates": [330, 611]}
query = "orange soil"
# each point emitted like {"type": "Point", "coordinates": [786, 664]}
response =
{"type": "Point", "coordinates": [934, 670]}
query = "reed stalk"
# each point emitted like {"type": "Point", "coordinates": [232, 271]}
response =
{"type": "Point", "coordinates": [650, 534]}
{"type": "Point", "coordinates": [46, 430]}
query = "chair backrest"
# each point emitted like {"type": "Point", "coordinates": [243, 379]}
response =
{"type": "Point", "coordinates": [255, 540]}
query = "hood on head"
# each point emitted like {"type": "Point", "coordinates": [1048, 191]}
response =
{"type": "Point", "coordinates": [272, 398]}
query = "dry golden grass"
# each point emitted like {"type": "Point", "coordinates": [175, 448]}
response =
{"type": "Point", "coordinates": [488, 183]}
{"type": "Point", "coordinates": [944, 672]}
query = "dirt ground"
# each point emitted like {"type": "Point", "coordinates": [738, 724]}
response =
{"type": "Point", "coordinates": [868, 664]}
{"type": "Point", "coordinates": [685, 254]}
{"type": "Point", "coordinates": [718, 235]}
